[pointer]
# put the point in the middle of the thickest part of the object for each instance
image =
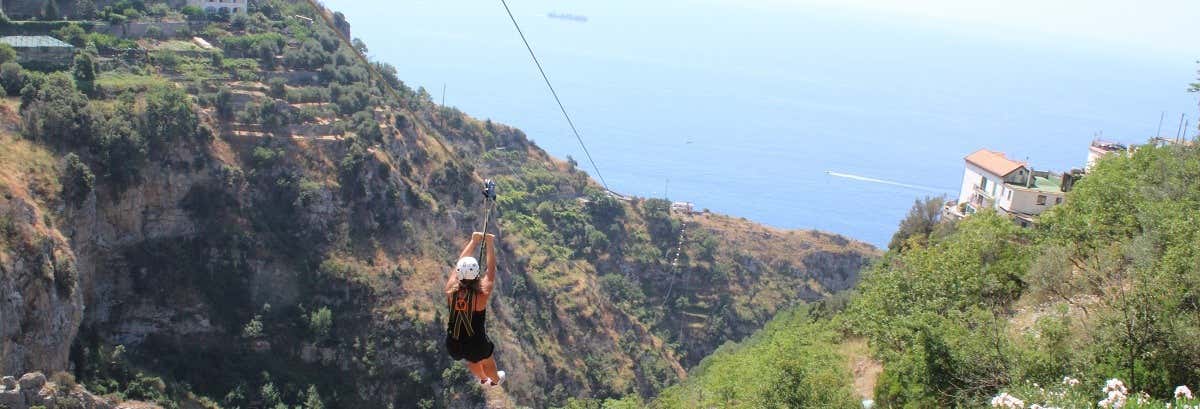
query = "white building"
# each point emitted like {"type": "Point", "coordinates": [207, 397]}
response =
{"type": "Point", "coordinates": [683, 207]}
{"type": "Point", "coordinates": [990, 180]}
{"type": "Point", "coordinates": [219, 6]}
{"type": "Point", "coordinates": [1100, 149]}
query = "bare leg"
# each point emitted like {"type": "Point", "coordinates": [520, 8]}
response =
{"type": "Point", "coordinates": [477, 369]}
{"type": "Point", "coordinates": [489, 369]}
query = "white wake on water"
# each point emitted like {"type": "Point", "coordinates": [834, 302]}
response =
{"type": "Point", "coordinates": [884, 182]}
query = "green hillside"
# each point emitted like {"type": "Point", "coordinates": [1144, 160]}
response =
{"type": "Point", "coordinates": [1099, 297]}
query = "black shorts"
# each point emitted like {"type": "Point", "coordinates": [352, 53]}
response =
{"type": "Point", "coordinates": [473, 349]}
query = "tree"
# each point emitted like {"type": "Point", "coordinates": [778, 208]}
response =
{"type": "Point", "coordinates": [11, 78]}
{"type": "Point", "coordinates": [224, 103]}
{"type": "Point", "coordinates": [73, 34]}
{"type": "Point", "coordinates": [77, 179]}
{"type": "Point", "coordinates": [339, 22]}
{"type": "Point", "coordinates": [7, 53]}
{"type": "Point", "coordinates": [192, 12]}
{"type": "Point", "coordinates": [278, 87]}
{"type": "Point", "coordinates": [169, 116]}
{"type": "Point", "coordinates": [122, 149]}
{"type": "Point", "coordinates": [55, 111]}
{"type": "Point", "coordinates": [922, 218]}
{"type": "Point", "coordinates": [320, 322]}
{"type": "Point", "coordinates": [312, 399]}
{"type": "Point", "coordinates": [86, 9]}
{"type": "Point", "coordinates": [85, 72]}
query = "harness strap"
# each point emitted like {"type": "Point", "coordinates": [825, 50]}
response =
{"type": "Point", "coordinates": [463, 310]}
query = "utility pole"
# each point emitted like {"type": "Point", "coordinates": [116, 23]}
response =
{"type": "Point", "coordinates": [1160, 121]}
{"type": "Point", "coordinates": [1180, 131]}
{"type": "Point", "coordinates": [443, 94]}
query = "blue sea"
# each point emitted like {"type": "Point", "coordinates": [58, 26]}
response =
{"type": "Point", "coordinates": [797, 117]}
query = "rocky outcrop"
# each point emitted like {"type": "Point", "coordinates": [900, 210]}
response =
{"type": "Point", "coordinates": [33, 390]}
{"type": "Point", "coordinates": [41, 305]}
{"type": "Point", "coordinates": [102, 229]}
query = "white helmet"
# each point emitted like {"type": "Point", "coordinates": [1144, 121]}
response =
{"type": "Point", "coordinates": [467, 268]}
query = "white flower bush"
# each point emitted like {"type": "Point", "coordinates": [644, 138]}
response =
{"type": "Point", "coordinates": [1006, 401]}
{"type": "Point", "coordinates": [1068, 394]}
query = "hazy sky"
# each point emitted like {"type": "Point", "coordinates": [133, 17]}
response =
{"type": "Point", "coordinates": [1160, 26]}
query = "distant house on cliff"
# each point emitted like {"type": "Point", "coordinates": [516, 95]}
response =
{"type": "Point", "coordinates": [220, 6]}
{"type": "Point", "coordinates": [40, 51]}
{"type": "Point", "coordinates": [1100, 149]}
{"type": "Point", "coordinates": [991, 180]}
{"type": "Point", "coordinates": [683, 207]}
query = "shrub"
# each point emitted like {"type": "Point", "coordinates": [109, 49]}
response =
{"type": "Point", "coordinates": [254, 328]}
{"type": "Point", "coordinates": [192, 12]}
{"type": "Point", "coordinates": [7, 54]}
{"type": "Point", "coordinates": [169, 116]}
{"type": "Point", "coordinates": [77, 179]}
{"type": "Point", "coordinates": [85, 73]}
{"type": "Point", "coordinates": [158, 10]}
{"type": "Point", "coordinates": [278, 87]}
{"type": "Point", "coordinates": [72, 34]}
{"type": "Point", "coordinates": [224, 103]}
{"type": "Point", "coordinates": [11, 78]}
{"type": "Point", "coordinates": [154, 32]}
{"type": "Point", "coordinates": [320, 322]}
{"type": "Point", "coordinates": [65, 381]}
{"type": "Point", "coordinates": [122, 149]}
{"type": "Point", "coordinates": [55, 111]}
{"type": "Point", "coordinates": [312, 399]}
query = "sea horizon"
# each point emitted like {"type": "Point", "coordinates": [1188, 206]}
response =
{"type": "Point", "coordinates": [755, 112]}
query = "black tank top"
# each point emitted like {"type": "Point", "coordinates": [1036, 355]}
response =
{"type": "Point", "coordinates": [464, 322]}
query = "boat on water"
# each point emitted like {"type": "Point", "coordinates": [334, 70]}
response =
{"type": "Point", "coordinates": [567, 16]}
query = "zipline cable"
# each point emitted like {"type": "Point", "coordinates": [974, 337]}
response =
{"type": "Point", "coordinates": [555, 93]}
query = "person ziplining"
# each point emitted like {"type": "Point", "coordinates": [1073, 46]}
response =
{"type": "Point", "coordinates": [467, 296]}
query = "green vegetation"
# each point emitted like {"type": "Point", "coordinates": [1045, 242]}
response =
{"type": "Point", "coordinates": [117, 83]}
{"type": "Point", "coordinates": [77, 179]}
{"type": "Point", "coordinates": [7, 53]}
{"type": "Point", "coordinates": [1103, 288]}
{"type": "Point", "coordinates": [792, 362]}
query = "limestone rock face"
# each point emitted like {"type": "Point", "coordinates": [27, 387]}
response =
{"type": "Point", "coordinates": [41, 304]}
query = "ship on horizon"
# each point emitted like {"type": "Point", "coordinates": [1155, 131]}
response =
{"type": "Point", "coordinates": [567, 16]}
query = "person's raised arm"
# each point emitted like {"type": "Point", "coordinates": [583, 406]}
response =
{"type": "Point", "coordinates": [469, 249]}
{"type": "Point", "coordinates": [489, 279]}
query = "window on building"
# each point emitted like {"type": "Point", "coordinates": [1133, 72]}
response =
{"type": "Point", "coordinates": [1058, 200]}
{"type": "Point", "coordinates": [1009, 195]}
{"type": "Point", "coordinates": [1041, 200]}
